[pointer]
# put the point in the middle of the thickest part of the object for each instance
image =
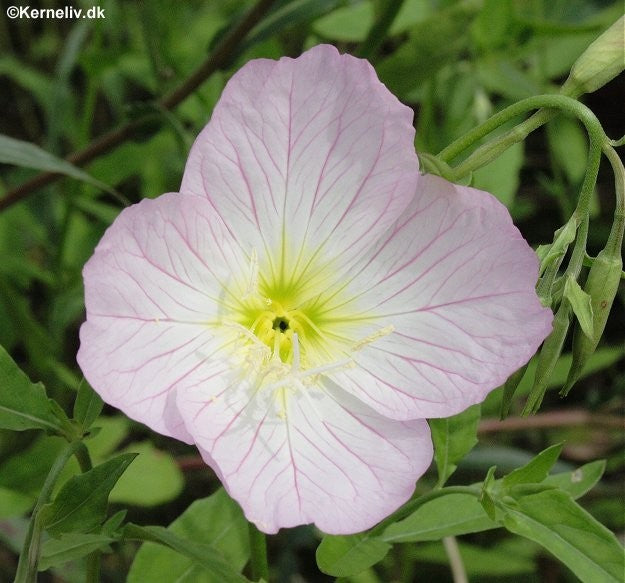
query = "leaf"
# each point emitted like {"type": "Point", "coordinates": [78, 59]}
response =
{"type": "Point", "coordinates": [536, 470]}
{"type": "Point", "coordinates": [71, 546]}
{"type": "Point", "coordinates": [216, 521]}
{"type": "Point", "coordinates": [501, 176]}
{"type": "Point", "coordinates": [13, 503]}
{"type": "Point", "coordinates": [343, 556]}
{"type": "Point", "coordinates": [582, 305]}
{"type": "Point", "coordinates": [451, 515]}
{"type": "Point", "coordinates": [569, 145]}
{"type": "Point", "coordinates": [23, 404]}
{"type": "Point", "coordinates": [81, 503]}
{"type": "Point", "coordinates": [27, 155]}
{"type": "Point", "coordinates": [453, 438]}
{"type": "Point", "coordinates": [87, 407]}
{"type": "Point", "coordinates": [579, 481]}
{"type": "Point", "coordinates": [202, 554]}
{"type": "Point", "coordinates": [552, 519]}
{"type": "Point", "coordinates": [153, 478]}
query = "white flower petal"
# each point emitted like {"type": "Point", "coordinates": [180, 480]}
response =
{"type": "Point", "coordinates": [305, 455]}
{"type": "Point", "coordinates": [306, 158]}
{"type": "Point", "coordinates": [455, 281]}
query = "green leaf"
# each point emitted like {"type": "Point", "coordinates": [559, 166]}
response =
{"type": "Point", "coordinates": [216, 521]}
{"type": "Point", "coordinates": [347, 24]}
{"type": "Point", "coordinates": [13, 503]}
{"type": "Point", "coordinates": [451, 515]}
{"type": "Point", "coordinates": [23, 404]}
{"type": "Point", "coordinates": [71, 546]}
{"type": "Point", "coordinates": [569, 145]}
{"type": "Point", "coordinates": [535, 471]}
{"type": "Point", "coordinates": [203, 554]}
{"type": "Point", "coordinates": [87, 407]}
{"type": "Point", "coordinates": [582, 305]}
{"type": "Point", "coordinates": [579, 481]}
{"type": "Point", "coordinates": [453, 438]}
{"type": "Point", "coordinates": [501, 176]}
{"type": "Point", "coordinates": [81, 503]}
{"type": "Point", "coordinates": [153, 478]}
{"type": "Point", "coordinates": [27, 155]}
{"type": "Point", "coordinates": [343, 556]}
{"type": "Point", "coordinates": [552, 519]}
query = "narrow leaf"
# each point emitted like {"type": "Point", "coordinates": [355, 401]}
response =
{"type": "Point", "coordinates": [552, 519]}
{"type": "Point", "coordinates": [71, 546]}
{"type": "Point", "coordinates": [536, 470]}
{"type": "Point", "coordinates": [87, 407]}
{"type": "Point", "coordinates": [27, 155]}
{"type": "Point", "coordinates": [451, 515]}
{"type": "Point", "coordinates": [81, 503]}
{"type": "Point", "coordinates": [217, 521]}
{"type": "Point", "coordinates": [453, 438]}
{"type": "Point", "coordinates": [582, 306]}
{"type": "Point", "coordinates": [343, 556]}
{"type": "Point", "coordinates": [203, 554]}
{"type": "Point", "coordinates": [23, 404]}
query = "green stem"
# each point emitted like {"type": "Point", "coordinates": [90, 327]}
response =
{"type": "Point", "coordinates": [258, 554]}
{"type": "Point", "coordinates": [458, 572]}
{"type": "Point", "coordinates": [489, 151]}
{"type": "Point", "coordinates": [615, 239]}
{"type": "Point", "coordinates": [29, 557]}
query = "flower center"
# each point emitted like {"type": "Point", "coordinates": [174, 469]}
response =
{"type": "Point", "coordinates": [275, 326]}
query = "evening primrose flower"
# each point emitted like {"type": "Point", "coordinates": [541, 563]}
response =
{"type": "Point", "coordinates": [308, 299]}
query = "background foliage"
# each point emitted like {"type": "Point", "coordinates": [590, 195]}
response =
{"type": "Point", "coordinates": [67, 82]}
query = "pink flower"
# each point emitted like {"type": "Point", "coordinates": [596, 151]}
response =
{"type": "Point", "coordinates": [308, 299]}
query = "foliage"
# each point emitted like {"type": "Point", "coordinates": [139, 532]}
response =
{"type": "Point", "coordinates": [107, 109]}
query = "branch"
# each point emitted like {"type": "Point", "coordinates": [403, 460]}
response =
{"type": "Point", "coordinates": [219, 58]}
{"type": "Point", "coordinates": [551, 420]}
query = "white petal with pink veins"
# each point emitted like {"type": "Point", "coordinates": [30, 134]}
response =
{"type": "Point", "coordinates": [154, 289]}
{"type": "Point", "coordinates": [306, 157]}
{"type": "Point", "coordinates": [302, 454]}
{"type": "Point", "coordinates": [455, 281]}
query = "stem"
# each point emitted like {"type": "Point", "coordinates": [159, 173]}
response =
{"type": "Point", "coordinates": [615, 239]}
{"type": "Point", "coordinates": [458, 571]}
{"type": "Point", "coordinates": [29, 557]}
{"type": "Point", "coordinates": [219, 58]}
{"type": "Point", "coordinates": [258, 554]}
{"type": "Point", "coordinates": [489, 151]}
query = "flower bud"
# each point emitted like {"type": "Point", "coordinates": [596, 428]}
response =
{"type": "Point", "coordinates": [603, 60]}
{"type": "Point", "coordinates": [601, 285]}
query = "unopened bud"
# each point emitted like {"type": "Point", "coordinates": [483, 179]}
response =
{"type": "Point", "coordinates": [603, 60]}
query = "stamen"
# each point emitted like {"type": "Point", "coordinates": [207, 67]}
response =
{"type": "Point", "coordinates": [373, 337]}
{"type": "Point", "coordinates": [252, 285]}
{"type": "Point", "coordinates": [295, 346]}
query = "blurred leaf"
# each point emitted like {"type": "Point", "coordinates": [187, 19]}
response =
{"type": "Point", "coordinates": [552, 519]}
{"type": "Point", "coordinates": [81, 503]}
{"type": "Point", "coordinates": [453, 438]}
{"type": "Point", "coordinates": [491, 27]}
{"type": "Point", "coordinates": [342, 556]}
{"type": "Point", "coordinates": [26, 470]}
{"type": "Point", "coordinates": [25, 154]}
{"type": "Point", "coordinates": [87, 407]}
{"type": "Point", "coordinates": [506, 78]}
{"type": "Point", "coordinates": [348, 24]}
{"type": "Point", "coordinates": [202, 554]}
{"type": "Point", "coordinates": [216, 521]}
{"type": "Point", "coordinates": [153, 478]}
{"type": "Point", "coordinates": [451, 515]}
{"type": "Point", "coordinates": [569, 145]}
{"type": "Point", "coordinates": [23, 404]}
{"type": "Point", "coordinates": [432, 44]}
{"type": "Point", "coordinates": [13, 503]}
{"type": "Point", "coordinates": [70, 547]}
{"type": "Point", "coordinates": [501, 176]}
